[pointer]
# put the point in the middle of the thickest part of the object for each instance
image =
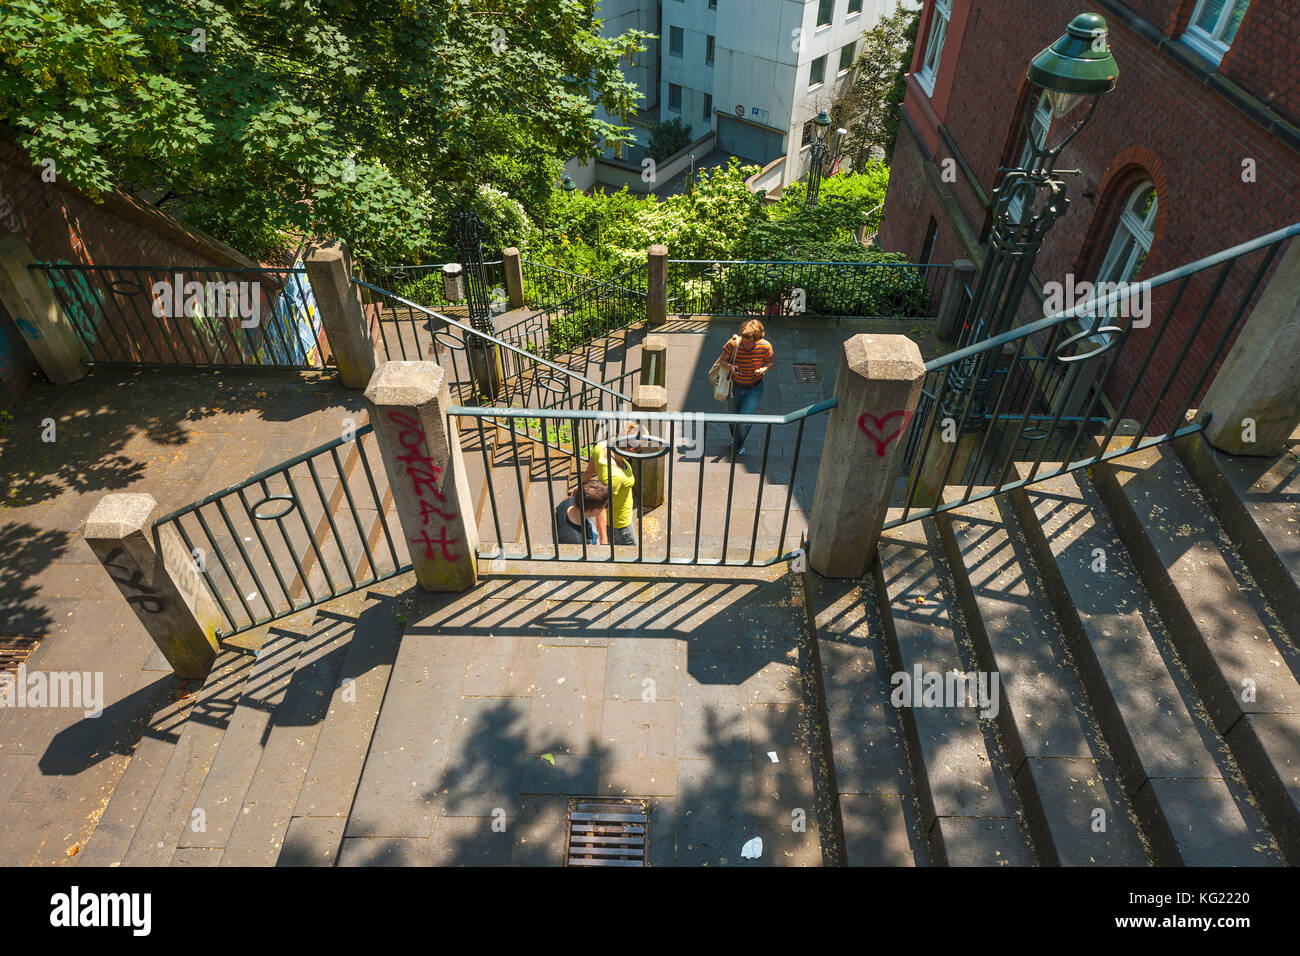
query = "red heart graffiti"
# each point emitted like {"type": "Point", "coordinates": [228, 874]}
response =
{"type": "Point", "coordinates": [882, 440]}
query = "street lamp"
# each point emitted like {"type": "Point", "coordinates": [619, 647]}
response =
{"type": "Point", "coordinates": [819, 149]}
{"type": "Point", "coordinates": [568, 183]}
{"type": "Point", "coordinates": [1077, 67]}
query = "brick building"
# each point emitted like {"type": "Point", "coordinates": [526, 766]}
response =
{"type": "Point", "coordinates": [1197, 149]}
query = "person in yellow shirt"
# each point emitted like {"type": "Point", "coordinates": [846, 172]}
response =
{"type": "Point", "coordinates": [617, 521]}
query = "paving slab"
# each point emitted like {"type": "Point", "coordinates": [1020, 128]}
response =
{"type": "Point", "coordinates": [311, 841]}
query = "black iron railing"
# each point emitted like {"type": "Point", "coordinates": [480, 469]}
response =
{"type": "Point", "coordinates": [160, 316]}
{"type": "Point", "coordinates": [1053, 394]}
{"type": "Point", "coordinates": [713, 509]}
{"type": "Point", "coordinates": [424, 283]}
{"type": "Point", "coordinates": [304, 532]}
{"type": "Point", "coordinates": [546, 286]}
{"type": "Point", "coordinates": [859, 289]}
{"type": "Point", "coordinates": [568, 329]}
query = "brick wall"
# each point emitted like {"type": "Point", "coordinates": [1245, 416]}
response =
{"type": "Point", "coordinates": [60, 224]}
{"type": "Point", "coordinates": [1162, 122]}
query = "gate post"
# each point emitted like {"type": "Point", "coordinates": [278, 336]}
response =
{"type": "Point", "coordinates": [878, 386]}
{"type": "Point", "coordinates": [329, 272]}
{"type": "Point", "coordinates": [408, 404]}
{"type": "Point", "coordinates": [514, 270]}
{"type": "Point", "coordinates": [156, 574]}
{"type": "Point", "coordinates": [1256, 393]}
{"type": "Point", "coordinates": [656, 290]}
{"type": "Point", "coordinates": [652, 398]}
{"type": "Point", "coordinates": [654, 355]}
{"type": "Point", "coordinates": [30, 302]}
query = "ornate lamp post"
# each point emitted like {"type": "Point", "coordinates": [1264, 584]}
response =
{"type": "Point", "coordinates": [1077, 67]}
{"type": "Point", "coordinates": [485, 362]}
{"type": "Point", "coordinates": [819, 151]}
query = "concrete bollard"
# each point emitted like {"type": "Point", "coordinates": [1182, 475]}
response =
{"type": "Point", "coordinates": [654, 471]}
{"type": "Point", "coordinates": [1254, 400]}
{"type": "Point", "coordinates": [654, 357]}
{"type": "Point", "coordinates": [952, 299]}
{"type": "Point", "coordinates": [29, 300]}
{"type": "Point", "coordinates": [157, 576]}
{"type": "Point", "coordinates": [342, 315]}
{"type": "Point", "coordinates": [420, 446]}
{"type": "Point", "coordinates": [878, 386]}
{"type": "Point", "coordinates": [514, 269]}
{"type": "Point", "coordinates": [656, 296]}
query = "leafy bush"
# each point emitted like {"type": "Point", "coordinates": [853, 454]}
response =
{"type": "Point", "coordinates": [667, 138]}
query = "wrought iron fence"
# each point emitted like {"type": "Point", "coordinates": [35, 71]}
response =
{"type": "Point", "coordinates": [571, 326]}
{"type": "Point", "coordinates": [546, 286]}
{"type": "Point", "coordinates": [712, 508]}
{"type": "Point", "coordinates": [424, 283]}
{"type": "Point", "coordinates": [491, 370]}
{"type": "Point", "coordinates": [161, 316]}
{"type": "Point", "coordinates": [1053, 394]}
{"type": "Point", "coordinates": [316, 527]}
{"type": "Point", "coordinates": [859, 289]}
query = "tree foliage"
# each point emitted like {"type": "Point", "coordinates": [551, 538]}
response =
{"type": "Point", "coordinates": [365, 119]}
{"type": "Point", "coordinates": [871, 103]}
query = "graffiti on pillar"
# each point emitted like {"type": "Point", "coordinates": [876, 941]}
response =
{"type": "Point", "coordinates": [78, 299]}
{"type": "Point", "coordinates": [876, 431]}
{"type": "Point", "coordinates": [425, 475]}
{"type": "Point", "coordinates": [145, 598]}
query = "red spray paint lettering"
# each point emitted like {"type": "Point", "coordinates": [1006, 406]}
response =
{"type": "Point", "coordinates": [424, 475]}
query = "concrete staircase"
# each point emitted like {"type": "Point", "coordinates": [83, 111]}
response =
{"type": "Point", "coordinates": [1141, 620]}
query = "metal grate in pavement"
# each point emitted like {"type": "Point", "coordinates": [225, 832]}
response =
{"type": "Point", "coordinates": [806, 373]}
{"type": "Point", "coordinates": [15, 651]}
{"type": "Point", "coordinates": [607, 832]}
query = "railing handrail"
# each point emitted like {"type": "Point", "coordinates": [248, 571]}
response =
{"type": "Point", "coordinates": [161, 268]}
{"type": "Point", "coordinates": [1173, 275]}
{"type": "Point", "coordinates": [468, 411]}
{"type": "Point", "coordinates": [566, 272]}
{"type": "Point", "coordinates": [798, 262]}
{"type": "Point", "coordinates": [265, 473]}
{"type": "Point", "coordinates": [491, 338]}
{"type": "Point", "coordinates": [600, 285]}
{"type": "Point", "coordinates": [428, 265]}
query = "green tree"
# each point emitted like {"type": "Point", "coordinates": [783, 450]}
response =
{"type": "Point", "coordinates": [872, 101]}
{"type": "Point", "coordinates": [366, 119]}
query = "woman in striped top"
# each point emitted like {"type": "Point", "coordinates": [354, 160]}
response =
{"type": "Point", "coordinates": [747, 357]}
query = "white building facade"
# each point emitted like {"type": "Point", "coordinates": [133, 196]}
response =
{"type": "Point", "coordinates": [755, 72]}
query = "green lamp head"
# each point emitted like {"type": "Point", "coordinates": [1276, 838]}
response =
{"type": "Point", "coordinates": [1077, 65]}
{"type": "Point", "coordinates": [823, 119]}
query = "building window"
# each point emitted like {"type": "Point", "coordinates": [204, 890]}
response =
{"type": "Point", "coordinates": [1213, 26]}
{"type": "Point", "coordinates": [713, 4]}
{"type": "Point", "coordinates": [855, 6]}
{"type": "Point", "coordinates": [708, 51]}
{"type": "Point", "coordinates": [927, 247]}
{"type": "Point", "coordinates": [708, 108]}
{"type": "Point", "coordinates": [676, 40]}
{"type": "Point", "coordinates": [1039, 126]}
{"type": "Point", "coordinates": [1133, 237]}
{"type": "Point", "coordinates": [846, 58]}
{"type": "Point", "coordinates": [674, 97]}
{"type": "Point", "coordinates": [825, 11]}
{"type": "Point", "coordinates": [807, 136]}
{"type": "Point", "coordinates": [817, 72]}
{"type": "Point", "coordinates": [934, 45]}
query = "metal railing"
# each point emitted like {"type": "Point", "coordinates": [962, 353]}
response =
{"type": "Point", "coordinates": [1053, 394]}
{"type": "Point", "coordinates": [546, 286]}
{"type": "Point", "coordinates": [423, 283]}
{"type": "Point", "coordinates": [304, 532]}
{"type": "Point", "coordinates": [205, 317]}
{"type": "Point", "coordinates": [571, 326]}
{"type": "Point", "coordinates": [531, 460]}
{"type": "Point", "coordinates": [490, 370]}
{"type": "Point", "coordinates": [859, 289]}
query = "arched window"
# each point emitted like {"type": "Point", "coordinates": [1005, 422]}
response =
{"type": "Point", "coordinates": [1133, 237]}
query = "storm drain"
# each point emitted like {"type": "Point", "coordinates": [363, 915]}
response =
{"type": "Point", "coordinates": [607, 832]}
{"type": "Point", "coordinates": [15, 651]}
{"type": "Point", "coordinates": [805, 373]}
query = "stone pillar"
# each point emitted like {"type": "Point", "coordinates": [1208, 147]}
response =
{"type": "Point", "coordinates": [329, 271]}
{"type": "Point", "coordinates": [953, 296]}
{"type": "Point", "coordinates": [1259, 381]}
{"type": "Point", "coordinates": [514, 268]}
{"type": "Point", "coordinates": [30, 301]}
{"type": "Point", "coordinates": [656, 297]}
{"type": "Point", "coordinates": [654, 471]}
{"type": "Point", "coordinates": [878, 385]}
{"type": "Point", "coordinates": [156, 574]}
{"type": "Point", "coordinates": [654, 356]}
{"type": "Point", "coordinates": [420, 446]}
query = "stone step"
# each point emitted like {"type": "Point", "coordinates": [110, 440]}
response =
{"type": "Point", "coordinates": [1190, 807]}
{"type": "Point", "coordinates": [1075, 806]}
{"type": "Point", "coordinates": [875, 796]}
{"type": "Point", "coordinates": [1257, 500]}
{"type": "Point", "coordinates": [1223, 627]}
{"type": "Point", "coordinates": [967, 800]}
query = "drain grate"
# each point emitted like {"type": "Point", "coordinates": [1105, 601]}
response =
{"type": "Point", "coordinates": [15, 651]}
{"type": "Point", "coordinates": [805, 373]}
{"type": "Point", "coordinates": [607, 832]}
